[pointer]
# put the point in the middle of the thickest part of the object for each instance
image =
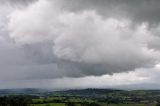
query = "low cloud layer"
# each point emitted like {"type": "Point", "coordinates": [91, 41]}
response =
{"type": "Point", "coordinates": [45, 40]}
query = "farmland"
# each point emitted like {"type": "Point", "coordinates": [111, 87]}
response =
{"type": "Point", "coordinates": [84, 97]}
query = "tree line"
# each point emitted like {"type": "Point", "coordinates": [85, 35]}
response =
{"type": "Point", "coordinates": [15, 101]}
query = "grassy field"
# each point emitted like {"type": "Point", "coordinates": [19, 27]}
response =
{"type": "Point", "coordinates": [87, 97]}
{"type": "Point", "coordinates": [62, 104]}
{"type": "Point", "coordinates": [126, 105]}
{"type": "Point", "coordinates": [77, 101]}
{"type": "Point", "coordinates": [47, 99]}
{"type": "Point", "coordinates": [50, 104]}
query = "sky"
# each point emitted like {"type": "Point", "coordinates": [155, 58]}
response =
{"type": "Point", "coordinates": [69, 44]}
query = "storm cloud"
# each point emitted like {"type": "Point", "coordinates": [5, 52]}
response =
{"type": "Point", "coordinates": [46, 40]}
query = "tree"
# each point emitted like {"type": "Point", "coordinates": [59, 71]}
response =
{"type": "Point", "coordinates": [70, 104]}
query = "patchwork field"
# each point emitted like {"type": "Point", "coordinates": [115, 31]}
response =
{"type": "Point", "coordinates": [85, 97]}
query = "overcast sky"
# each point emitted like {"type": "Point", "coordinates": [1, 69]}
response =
{"type": "Point", "coordinates": [63, 44]}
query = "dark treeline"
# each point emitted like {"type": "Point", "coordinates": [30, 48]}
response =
{"type": "Point", "coordinates": [82, 104]}
{"type": "Point", "coordinates": [15, 101]}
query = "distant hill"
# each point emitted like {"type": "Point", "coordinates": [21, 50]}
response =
{"type": "Point", "coordinates": [86, 92]}
{"type": "Point", "coordinates": [91, 92]}
{"type": "Point", "coordinates": [26, 91]}
{"type": "Point", "coordinates": [46, 92]}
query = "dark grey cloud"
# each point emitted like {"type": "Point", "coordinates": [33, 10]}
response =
{"type": "Point", "coordinates": [47, 40]}
{"type": "Point", "coordinates": [109, 45]}
{"type": "Point", "coordinates": [137, 10]}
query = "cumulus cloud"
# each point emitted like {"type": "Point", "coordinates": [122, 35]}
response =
{"type": "Point", "coordinates": [138, 79]}
{"type": "Point", "coordinates": [77, 38]}
{"type": "Point", "coordinates": [138, 11]}
{"type": "Point", "coordinates": [17, 1]}
{"type": "Point", "coordinates": [86, 38]}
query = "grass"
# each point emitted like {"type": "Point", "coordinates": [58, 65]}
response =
{"type": "Point", "coordinates": [50, 104]}
{"type": "Point", "coordinates": [47, 99]}
{"type": "Point", "coordinates": [104, 104]}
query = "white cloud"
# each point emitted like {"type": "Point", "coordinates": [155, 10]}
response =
{"type": "Point", "coordinates": [53, 40]}
{"type": "Point", "coordinates": [84, 37]}
{"type": "Point", "coordinates": [34, 23]}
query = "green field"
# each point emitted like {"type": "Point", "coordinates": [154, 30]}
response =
{"type": "Point", "coordinates": [62, 104]}
{"type": "Point", "coordinates": [50, 104]}
{"type": "Point", "coordinates": [78, 102]}
{"type": "Point", "coordinates": [127, 105]}
{"type": "Point", "coordinates": [86, 97]}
